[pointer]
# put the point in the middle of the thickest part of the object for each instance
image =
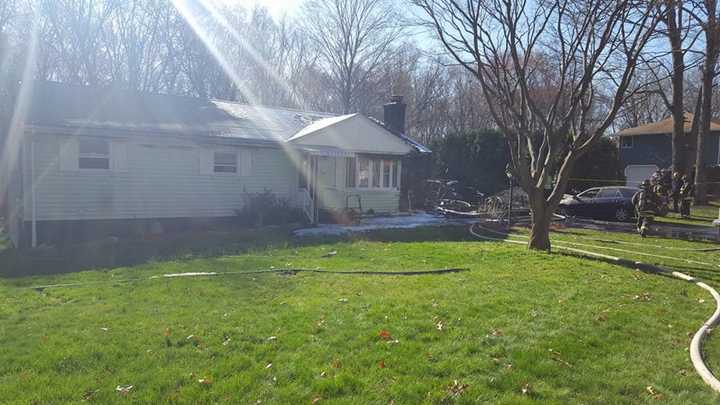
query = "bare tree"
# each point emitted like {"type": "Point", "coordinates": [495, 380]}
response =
{"type": "Point", "coordinates": [352, 38]}
{"type": "Point", "coordinates": [550, 117]}
{"type": "Point", "coordinates": [711, 28]}
{"type": "Point", "coordinates": [675, 31]}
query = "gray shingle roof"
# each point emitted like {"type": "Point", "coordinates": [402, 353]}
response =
{"type": "Point", "coordinates": [73, 106]}
{"type": "Point", "coordinates": [61, 105]}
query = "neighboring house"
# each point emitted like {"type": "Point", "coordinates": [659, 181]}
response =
{"type": "Point", "coordinates": [647, 148]}
{"type": "Point", "coordinates": [117, 158]}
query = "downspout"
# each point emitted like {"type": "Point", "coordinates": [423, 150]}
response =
{"type": "Point", "coordinates": [33, 194]}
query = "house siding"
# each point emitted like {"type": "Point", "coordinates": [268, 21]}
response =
{"type": "Point", "coordinates": [648, 150]}
{"type": "Point", "coordinates": [164, 178]}
{"type": "Point", "coordinates": [657, 150]}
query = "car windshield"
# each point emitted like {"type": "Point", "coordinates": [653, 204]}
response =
{"type": "Point", "coordinates": [608, 193]}
{"type": "Point", "coordinates": [589, 193]}
{"type": "Point", "coordinates": [628, 192]}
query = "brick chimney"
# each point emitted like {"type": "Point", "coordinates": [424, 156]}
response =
{"type": "Point", "coordinates": [394, 114]}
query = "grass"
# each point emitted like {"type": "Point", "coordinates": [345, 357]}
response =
{"type": "Point", "coordinates": [519, 327]}
{"type": "Point", "coordinates": [702, 215]}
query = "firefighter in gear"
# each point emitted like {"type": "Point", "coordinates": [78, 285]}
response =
{"type": "Point", "coordinates": [645, 204]}
{"type": "Point", "coordinates": [675, 194]}
{"type": "Point", "coordinates": [686, 195]}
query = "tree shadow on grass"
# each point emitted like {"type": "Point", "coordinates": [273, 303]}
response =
{"type": "Point", "coordinates": [108, 254]}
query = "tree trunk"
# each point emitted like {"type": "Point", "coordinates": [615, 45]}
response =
{"type": "Point", "coordinates": [712, 42]}
{"type": "Point", "coordinates": [541, 215]}
{"type": "Point", "coordinates": [674, 29]}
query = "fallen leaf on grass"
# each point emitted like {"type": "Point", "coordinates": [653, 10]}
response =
{"type": "Point", "coordinates": [643, 297]}
{"type": "Point", "coordinates": [381, 364]}
{"type": "Point", "coordinates": [384, 335]}
{"type": "Point", "coordinates": [124, 389]}
{"type": "Point", "coordinates": [556, 356]}
{"type": "Point", "coordinates": [205, 381]}
{"type": "Point", "coordinates": [653, 392]}
{"type": "Point", "coordinates": [87, 395]}
{"type": "Point", "coordinates": [526, 389]}
{"type": "Point", "coordinates": [104, 329]}
{"type": "Point", "coordinates": [456, 389]}
{"type": "Point", "coordinates": [268, 366]}
{"type": "Point", "coordinates": [343, 300]}
{"type": "Point", "coordinates": [315, 400]}
{"type": "Point", "coordinates": [271, 338]}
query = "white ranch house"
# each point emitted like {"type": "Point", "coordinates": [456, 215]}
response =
{"type": "Point", "coordinates": [109, 156]}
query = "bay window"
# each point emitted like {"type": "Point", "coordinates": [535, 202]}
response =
{"type": "Point", "coordinates": [376, 173]}
{"type": "Point", "coordinates": [370, 173]}
{"type": "Point", "coordinates": [363, 175]}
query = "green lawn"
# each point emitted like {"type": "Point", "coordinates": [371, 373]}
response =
{"type": "Point", "coordinates": [702, 215]}
{"type": "Point", "coordinates": [519, 327]}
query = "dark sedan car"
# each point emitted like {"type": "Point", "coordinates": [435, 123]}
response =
{"type": "Point", "coordinates": [613, 203]}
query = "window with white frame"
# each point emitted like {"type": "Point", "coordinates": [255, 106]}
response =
{"type": "Point", "coordinates": [364, 172]}
{"type": "Point", "coordinates": [386, 173]}
{"type": "Point", "coordinates": [350, 172]}
{"type": "Point", "coordinates": [396, 174]}
{"type": "Point", "coordinates": [225, 162]}
{"type": "Point", "coordinates": [376, 164]}
{"type": "Point", "coordinates": [94, 153]}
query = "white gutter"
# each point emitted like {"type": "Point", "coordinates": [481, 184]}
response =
{"type": "Point", "coordinates": [33, 194]}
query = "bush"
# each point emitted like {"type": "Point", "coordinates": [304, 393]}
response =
{"type": "Point", "coordinates": [267, 209]}
{"type": "Point", "coordinates": [476, 158]}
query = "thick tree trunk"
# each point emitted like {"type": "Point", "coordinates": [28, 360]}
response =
{"type": "Point", "coordinates": [541, 215]}
{"type": "Point", "coordinates": [679, 161]}
{"type": "Point", "coordinates": [712, 42]}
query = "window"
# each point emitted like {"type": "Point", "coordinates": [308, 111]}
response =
{"type": "Point", "coordinates": [589, 193]}
{"type": "Point", "coordinates": [376, 173]}
{"type": "Point", "coordinates": [387, 173]}
{"type": "Point", "coordinates": [628, 192]}
{"type": "Point", "coordinates": [303, 173]}
{"type": "Point", "coordinates": [225, 162]}
{"type": "Point", "coordinates": [363, 175]}
{"type": "Point", "coordinates": [372, 173]}
{"type": "Point", "coordinates": [626, 142]}
{"type": "Point", "coordinates": [350, 172]}
{"type": "Point", "coordinates": [396, 174]}
{"type": "Point", "coordinates": [94, 154]}
{"type": "Point", "coordinates": [608, 193]}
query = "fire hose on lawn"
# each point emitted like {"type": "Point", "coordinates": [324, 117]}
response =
{"type": "Point", "coordinates": [697, 340]}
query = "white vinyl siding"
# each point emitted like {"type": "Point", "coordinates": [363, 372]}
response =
{"type": "Point", "coordinates": [164, 179]}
